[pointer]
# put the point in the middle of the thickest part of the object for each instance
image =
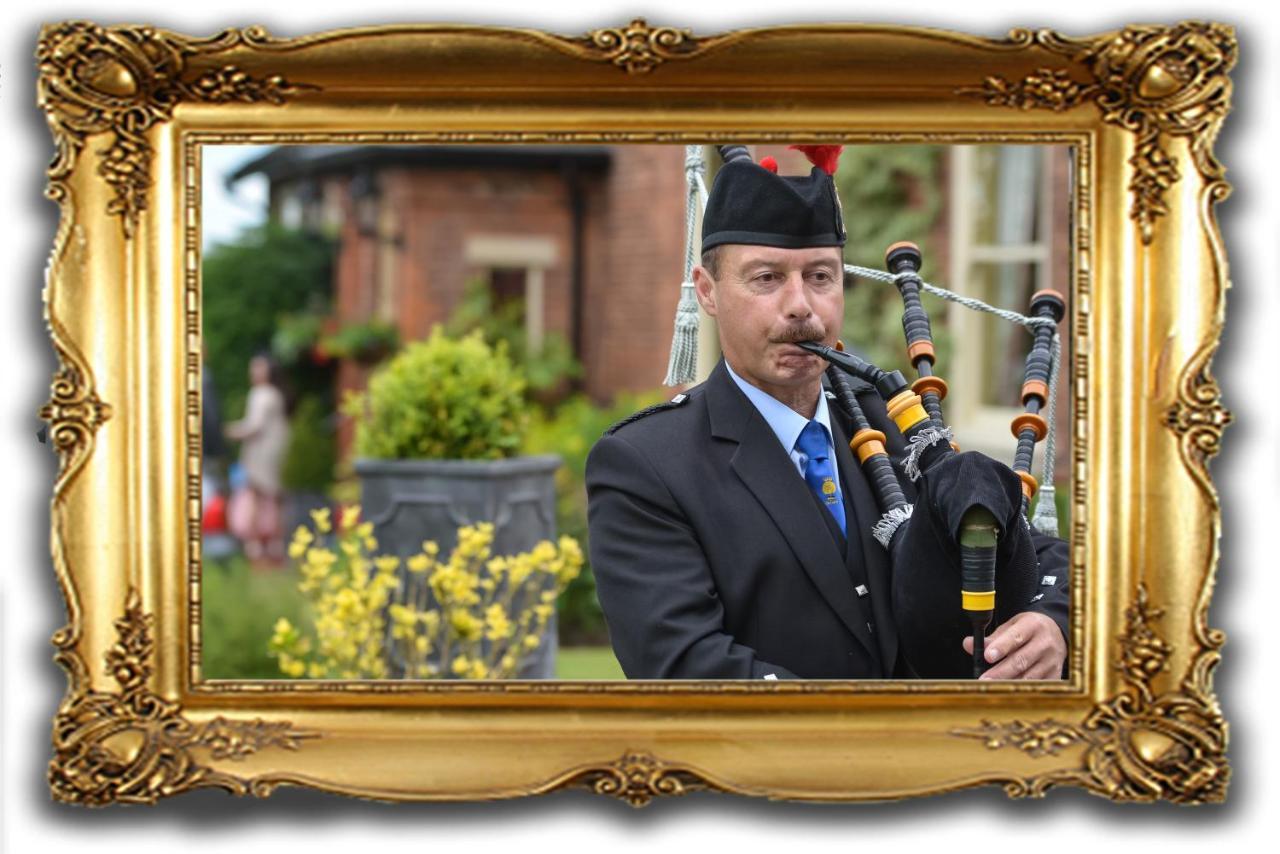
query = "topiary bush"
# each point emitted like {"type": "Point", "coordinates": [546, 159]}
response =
{"type": "Point", "coordinates": [442, 398]}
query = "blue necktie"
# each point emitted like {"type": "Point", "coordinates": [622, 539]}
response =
{"type": "Point", "coordinates": [819, 472]}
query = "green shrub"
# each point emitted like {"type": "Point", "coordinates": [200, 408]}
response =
{"type": "Point", "coordinates": [442, 398]}
{"type": "Point", "coordinates": [238, 610]}
{"type": "Point", "coordinates": [313, 448]}
{"type": "Point", "coordinates": [570, 431]}
{"type": "Point", "coordinates": [297, 334]}
{"type": "Point", "coordinates": [368, 342]}
{"type": "Point", "coordinates": [544, 369]}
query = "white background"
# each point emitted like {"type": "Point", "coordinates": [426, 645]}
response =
{"type": "Point", "coordinates": [30, 608]}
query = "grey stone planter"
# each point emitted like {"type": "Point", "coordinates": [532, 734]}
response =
{"type": "Point", "coordinates": [409, 501]}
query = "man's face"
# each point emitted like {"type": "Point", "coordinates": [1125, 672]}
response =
{"type": "Point", "coordinates": [765, 299]}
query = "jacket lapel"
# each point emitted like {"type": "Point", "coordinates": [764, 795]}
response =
{"type": "Point", "coordinates": [865, 513]}
{"type": "Point", "coordinates": [767, 471]}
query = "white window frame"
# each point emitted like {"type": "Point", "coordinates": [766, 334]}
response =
{"type": "Point", "coordinates": [979, 425]}
{"type": "Point", "coordinates": [521, 251]}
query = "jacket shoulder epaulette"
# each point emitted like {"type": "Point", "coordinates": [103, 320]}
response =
{"type": "Point", "coordinates": [678, 400]}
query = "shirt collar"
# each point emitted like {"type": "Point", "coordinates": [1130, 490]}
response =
{"type": "Point", "coordinates": [785, 422]}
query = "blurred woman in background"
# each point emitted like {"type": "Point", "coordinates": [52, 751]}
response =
{"type": "Point", "coordinates": [257, 514]}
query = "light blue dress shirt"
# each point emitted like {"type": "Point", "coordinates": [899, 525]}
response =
{"type": "Point", "coordinates": [786, 423]}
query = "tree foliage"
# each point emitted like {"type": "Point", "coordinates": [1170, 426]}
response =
{"type": "Point", "coordinates": [249, 285]}
{"type": "Point", "coordinates": [888, 193]}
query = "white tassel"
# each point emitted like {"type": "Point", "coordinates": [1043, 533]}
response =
{"type": "Point", "coordinates": [683, 365]}
{"type": "Point", "coordinates": [1045, 519]}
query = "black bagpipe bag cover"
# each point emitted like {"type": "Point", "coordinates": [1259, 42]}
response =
{"type": "Point", "coordinates": [925, 555]}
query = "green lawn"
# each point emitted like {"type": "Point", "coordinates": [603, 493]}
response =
{"type": "Point", "coordinates": [587, 662]}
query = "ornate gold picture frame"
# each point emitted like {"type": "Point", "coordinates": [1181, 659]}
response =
{"type": "Point", "coordinates": [130, 108]}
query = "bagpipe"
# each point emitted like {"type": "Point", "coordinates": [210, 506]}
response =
{"type": "Point", "coordinates": [962, 554]}
{"type": "Point", "coordinates": [971, 540]}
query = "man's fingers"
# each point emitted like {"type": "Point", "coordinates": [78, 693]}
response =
{"type": "Point", "coordinates": [1022, 648]}
{"type": "Point", "coordinates": [1047, 668]}
{"type": "Point", "coordinates": [1008, 636]}
{"type": "Point", "coordinates": [1015, 665]}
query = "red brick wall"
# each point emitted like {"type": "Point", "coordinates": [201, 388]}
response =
{"type": "Point", "coordinates": [634, 265]}
{"type": "Point", "coordinates": [633, 251]}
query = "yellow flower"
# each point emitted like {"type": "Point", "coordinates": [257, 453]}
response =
{"type": "Point", "coordinates": [386, 563]}
{"type": "Point", "coordinates": [321, 518]}
{"type": "Point", "coordinates": [464, 623]}
{"type": "Point", "coordinates": [461, 665]}
{"type": "Point", "coordinates": [349, 516]}
{"type": "Point", "coordinates": [497, 626]}
{"type": "Point", "coordinates": [418, 563]}
{"type": "Point", "coordinates": [403, 616]}
{"type": "Point", "coordinates": [302, 538]}
{"type": "Point", "coordinates": [430, 547]}
{"type": "Point", "coordinates": [531, 641]}
{"type": "Point", "coordinates": [321, 558]}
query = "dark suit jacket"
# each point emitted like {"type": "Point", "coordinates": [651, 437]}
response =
{"type": "Point", "coordinates": [713, 559]}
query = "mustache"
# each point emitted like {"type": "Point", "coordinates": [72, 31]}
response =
{"type": "Point", "coordinates": [802, 332]}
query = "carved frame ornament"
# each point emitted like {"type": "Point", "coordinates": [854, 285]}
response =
{"type": "Point", "coordinates": [129, 109]}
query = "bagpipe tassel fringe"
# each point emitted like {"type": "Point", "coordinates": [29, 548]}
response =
{"type": "Point", "coordinates": [889, 523]}
{"type": "Point", "coordinates": [919, 443]}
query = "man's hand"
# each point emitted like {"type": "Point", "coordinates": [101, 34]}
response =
{"type": "Point", "coordinates": [1029, 646]}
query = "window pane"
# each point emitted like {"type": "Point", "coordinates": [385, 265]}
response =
{"type": "Point", "coordinates": [1004, 344]}
{"type": "Point", "coordinates": [1007, 194]}
{"type": "Point", "coordinates": [506, 284]}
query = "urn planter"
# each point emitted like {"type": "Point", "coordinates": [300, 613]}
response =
{"type": "Point", "coordinates": [409, 501]}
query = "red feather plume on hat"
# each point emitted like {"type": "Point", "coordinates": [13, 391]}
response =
{"type": "Point", "coordinates": [822, 156]}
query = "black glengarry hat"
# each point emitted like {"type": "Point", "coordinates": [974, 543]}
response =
{"type": "Point", "coordinates": [750, 203]}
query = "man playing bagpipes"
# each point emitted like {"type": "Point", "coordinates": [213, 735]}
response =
{"type": "Point", "coordinates": [731, 528]}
